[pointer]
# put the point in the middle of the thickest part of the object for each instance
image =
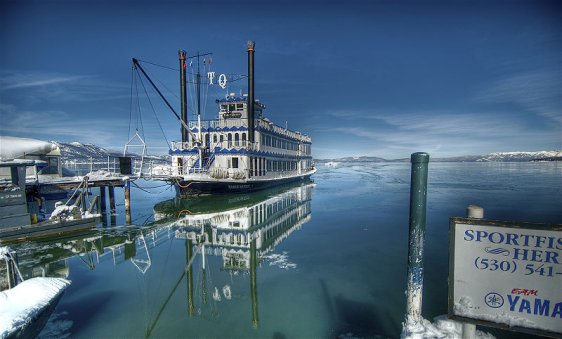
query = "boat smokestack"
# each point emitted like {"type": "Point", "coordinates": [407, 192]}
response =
{"type": "Point", "coordinates": [251, 47]}
{"type": "Point", "coordinates": [183, 93]}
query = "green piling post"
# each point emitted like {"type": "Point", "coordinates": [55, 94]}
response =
{"type": "Point", "coordinates": [418, 199]}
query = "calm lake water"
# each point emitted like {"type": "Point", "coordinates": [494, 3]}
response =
{"type": "Point", "coordinates": [325, 259]}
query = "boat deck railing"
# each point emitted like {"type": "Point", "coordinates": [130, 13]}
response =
{"type": "Point", "coordinates": [203, 174]}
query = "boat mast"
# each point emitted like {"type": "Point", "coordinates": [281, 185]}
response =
{"type": "Point", "coordinates": [251, 46]}
{"type": "Point", "coordinates": [183, 93]}
{"type": "Point", "coordinates": [199, 110]}
{"type": "Point", "coordinates": [198, 83]}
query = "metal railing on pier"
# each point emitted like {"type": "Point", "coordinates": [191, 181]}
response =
{"type": "Point", "coordinates": [139, 168]}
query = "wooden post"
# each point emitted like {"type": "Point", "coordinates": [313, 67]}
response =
{"type": "Point", "coordinates": [111, 199]}
{"type": "Point", "coordinates": [103, 200]}
{"type": "Point", "coordinates": [127, 190]}
{"type": "Point", "coordinates": [476, 212]}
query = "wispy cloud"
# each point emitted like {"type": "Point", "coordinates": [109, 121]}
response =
{"type": "Point", "coordinates": [42, 86]}
{"type": "Point", "coordinates": [441, 133]}
{"type": "Point", "coordinates": [20, 80]}
{"type": "Point", "coordinates": [59, 124]}
{"type": "Point", "coordinates": [538, 92]}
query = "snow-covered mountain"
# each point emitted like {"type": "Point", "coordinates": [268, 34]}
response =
{"type": "Point", "coordinates": [491, 157]}
{"type": "Point", "coordinates": [522, 156]}
{"type": "Point", "coordinates": [78, 152]}
{"type": "Point", "coordinates": [352, 159]}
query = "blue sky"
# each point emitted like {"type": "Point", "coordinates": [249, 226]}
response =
{"type": "Point", "coordinates": [379, 78]}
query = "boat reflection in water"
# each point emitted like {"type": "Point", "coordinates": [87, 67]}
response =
{"type": "Point", "coordinates": [226, 237]}
{"type": "Point", "coordinates": [241, 229]}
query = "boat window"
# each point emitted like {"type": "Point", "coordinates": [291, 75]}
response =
{"type": "Point", "coordinates": [223, 108]}
{"type": "Point", "coordinates": [235, 162]}
{"type": "Point", "coordinates": [215, 138]}
{"type": "Point", "coordinates": [239, 107]}
{"type": "Point", "coordinates": [243, 136]}
{"type": "Point", "coordinates": [231, 107]}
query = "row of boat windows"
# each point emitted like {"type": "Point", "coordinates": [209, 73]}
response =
{"type": "Point", "coordinates": [271, 141]}
{"type": "Point", "coordinates": [281, 228]}
{"type": "Point", "coordinates": [232, 107]}
{"type": "Point", "coordinates": [239, 139]}
{"type": "Point", "coordinates": [238, 108]}
{"type": "Point", "coordinates": [260, 213]}
{"type": "Point", "coordinates": [259, 166]}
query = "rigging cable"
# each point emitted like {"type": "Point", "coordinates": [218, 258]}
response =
{"type": "Point", "coordinates": [191, 92]}
{"type": "Point", "coordinates": [167, 67]}
{"type": "Point", "coordinates": [139, 117]}
{"type": "Point", "coordinates": [131, 102]}
{"type": "Point", "coordinates": [154, 112]}
{"type": "Point", "coordinates": [206, 90]}
{"type": "Point", "coordinates": [138, 103]}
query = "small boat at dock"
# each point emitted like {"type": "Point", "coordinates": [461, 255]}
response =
{"type": "Point", "coordinates": [18, 221]}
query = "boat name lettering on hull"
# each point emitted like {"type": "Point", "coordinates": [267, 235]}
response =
{"type": "Point", "coordinates": [236, 187]}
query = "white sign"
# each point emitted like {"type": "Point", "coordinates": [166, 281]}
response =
{"type": "Point", "coordinates": [506, 273]}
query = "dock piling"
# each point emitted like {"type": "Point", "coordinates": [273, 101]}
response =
{"type": "Point", "coordinates": [111, 199]}
{"type": "Point", "coordinates": [127, 190]}
{"type": "Point", "coordinates": [102, 200]}
{"type": "Point", "coordinates": [418, 202]}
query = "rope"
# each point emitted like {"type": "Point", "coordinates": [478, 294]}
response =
{"type": "Point", "coordinates": [149, 192]}
{"type": "Point", "coordinates": [11, 257]}
{"type": "Point", "coordinates": [76, 190]}
{"type": "Point", "coordinates": [184, 211]}
{"type": "Point", "coordinates": [178, 182]}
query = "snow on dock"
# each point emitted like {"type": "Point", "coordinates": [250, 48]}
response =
{"type": "Point", "coordinates": [22, 304]}
{"type": "Point", "coordinates": [442, 327]}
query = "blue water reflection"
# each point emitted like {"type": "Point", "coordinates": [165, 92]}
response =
{"type": "Point", "coordinates": [322, 259]}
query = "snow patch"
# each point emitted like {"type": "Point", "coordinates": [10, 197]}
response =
{"type": "Point", "coordinates": [464, 308]}
{"type": "Point", "coordinates": [4, 251]}
{"type": "Point", "coordinates": [227, 292]}
{"type": "Point", "coordinates": [21, 304]}
{"type": "Point", "coordinates": [280, 260]}
{"type": "Point", "coordinates": [442, 327]}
